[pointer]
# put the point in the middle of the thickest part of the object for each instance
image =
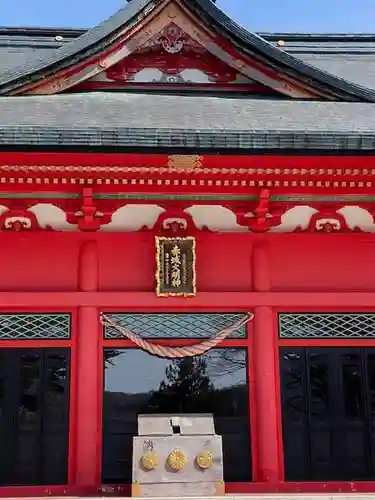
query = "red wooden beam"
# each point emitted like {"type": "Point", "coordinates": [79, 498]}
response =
{"type": "Point", "coordinates": [223, 301]}
{"type": "Point", "coordinates": [268, 465]}
{"type": "Point", "coordinates": [319, 163]}
{"type": "Point", "coordinates": [87, 414]}
{"type": "Point", "coordinates": [200, 174]}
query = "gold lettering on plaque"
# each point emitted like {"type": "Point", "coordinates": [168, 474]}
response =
{"type": "Point", "coordinates": [175, 266]}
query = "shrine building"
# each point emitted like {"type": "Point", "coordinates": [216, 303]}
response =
{"type": "Point", "coordinates": [186, 226]}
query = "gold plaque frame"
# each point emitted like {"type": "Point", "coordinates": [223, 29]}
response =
{"type": "Point", "coordinates": [188, 245]}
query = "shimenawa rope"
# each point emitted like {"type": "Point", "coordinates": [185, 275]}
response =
{"type": "Point", "coordinates": [176, 352]}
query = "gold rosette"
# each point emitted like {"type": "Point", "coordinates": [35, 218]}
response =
{"type": "Point", "coordinates": [204, 460]}
{"type": "Point", "coordinates": [149, 460]}
{"type": "Point", "coordinates": [177, 460]}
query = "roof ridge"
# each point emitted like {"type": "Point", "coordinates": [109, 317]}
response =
{"type": "Point", "coordinates": [268, 35]}
{"type": "Point", "coordinates": [40, 31]}
{"type": "Point", "coordinates": [315, 35]}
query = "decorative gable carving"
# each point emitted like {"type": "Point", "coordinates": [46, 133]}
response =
{"type": "Point", "coordinates": [170, 45]}
{"type": "Point", "coordinates": [172, 56]}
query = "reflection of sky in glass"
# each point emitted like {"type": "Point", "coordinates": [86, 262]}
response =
{"type": "Point", "coordinates": [226, 368]}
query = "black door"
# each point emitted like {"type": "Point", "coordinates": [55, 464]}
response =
{"type": "Point", "coordinates": [34, 416]}
{"type": "Point", "coordinates": [328, 399]}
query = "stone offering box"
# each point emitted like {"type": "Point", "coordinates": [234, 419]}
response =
{"type": "Point", "coordinates": [177, 455]}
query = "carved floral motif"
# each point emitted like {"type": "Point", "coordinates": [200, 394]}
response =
{"type": "Point", "coordinates": [327, 220]}
{"type": "Point", "coordinates": [172, 39]}
{"type": "Point", "coordinates": [20, 219]}
{"type": "Point", "coordinates": [175, 221]}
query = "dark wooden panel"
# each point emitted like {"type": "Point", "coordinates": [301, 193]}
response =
{"type": "Point", "coordinates": [34, 416]}
{"type": "Point", "coordinates": [328, 413]}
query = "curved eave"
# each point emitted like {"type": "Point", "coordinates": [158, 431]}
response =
{"type": "Point", "coordinates": [252, 44]}
{"type": "Point", "coordinates": [88, 44]}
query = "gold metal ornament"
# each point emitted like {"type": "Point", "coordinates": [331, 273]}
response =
{"type": "Point", "coordinates": [220, 488]}
{"type": "Point", "coordinates": [185, 163]}
{"type": "Point", "coordinates": [149, 460]}
{"type": "Point", "coordinates": [136, 489]}
{"type": "Point", "coordinates": [204, 460]}
{"type": "Point", "coordinates": [177, 460]}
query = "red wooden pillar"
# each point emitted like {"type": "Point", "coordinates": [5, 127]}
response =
{"type": "Point", "coordinates": [88, 376]}
{"type": "Point", "coordinates": [265, 373]}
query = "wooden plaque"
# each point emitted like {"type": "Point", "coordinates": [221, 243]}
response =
{"type": "Point", "coordinates": [175, 266]}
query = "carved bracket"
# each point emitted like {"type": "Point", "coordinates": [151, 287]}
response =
{"type": "Point", "coordinates": [263, 216]}
{"type": "Point", "coordinates": [88, 218]}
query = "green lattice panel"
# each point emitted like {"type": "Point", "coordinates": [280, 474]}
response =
{"type": "Point", "coordinates": [175, 326]}
{"type": "Point", "coordinates": [34, 326]}
{"type": "Point", "coordinates": [327, 325]}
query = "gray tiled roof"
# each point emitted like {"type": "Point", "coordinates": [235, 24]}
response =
{"type": "Point", "coordinates": [12, 58]}
{"type": "Point", "coordinates": [191, 122]}
{"type": "Point", "coordinates": [323, 42]}
{"type": "Point", "coordinates": [251, 44]}
{"type": "Point", "coordinates": [354, 62]}
{"type": "Point", "coordinates": [359, 68]}
{"type": "Point", "coordinates": [348, 56]}
{"type": "Point", "coordinates": [22, 46]}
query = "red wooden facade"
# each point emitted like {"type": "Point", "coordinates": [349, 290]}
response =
{"type": "Point", "coordinates": [299, 230]}
{"type": "Point", "coordinates": [86, 274]}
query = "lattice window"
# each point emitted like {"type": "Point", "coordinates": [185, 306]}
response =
{"type": "Point", "coordinates": [175, 326]}
{"type": "Point", "coordinates": [327, 325]}
{"type": "Point", "coordinates": [34, 326]}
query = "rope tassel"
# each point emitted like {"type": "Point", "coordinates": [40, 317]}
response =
{"type": "Point", "coordinates": [177, 352]}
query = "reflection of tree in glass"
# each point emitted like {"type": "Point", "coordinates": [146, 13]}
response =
{"type": "Point", "coordinates": [228, 362]}
{"type": "Point", "coordinates": [44, 376]}
{"type": "Point", "coordinates": [185, 388]}
{"type": "Point", "coordinates": [109, 354]}
{"type": "Point", "coordinates": [188, 388]}
{"type": "Point", "coordinates": [318, 385]}
{"type": "Point", "coordinates": [30, 382]}
{"type": "Point", "coordinates": [57, 373]}
{"type": "Point", "coordinates": [292, 379]}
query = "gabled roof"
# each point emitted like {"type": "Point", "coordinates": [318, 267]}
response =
{"type": "Point", "coordinates": [95, 40]}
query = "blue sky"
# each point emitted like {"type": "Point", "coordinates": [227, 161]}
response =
{"type": "Point", "coordinates": [256, 15]}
